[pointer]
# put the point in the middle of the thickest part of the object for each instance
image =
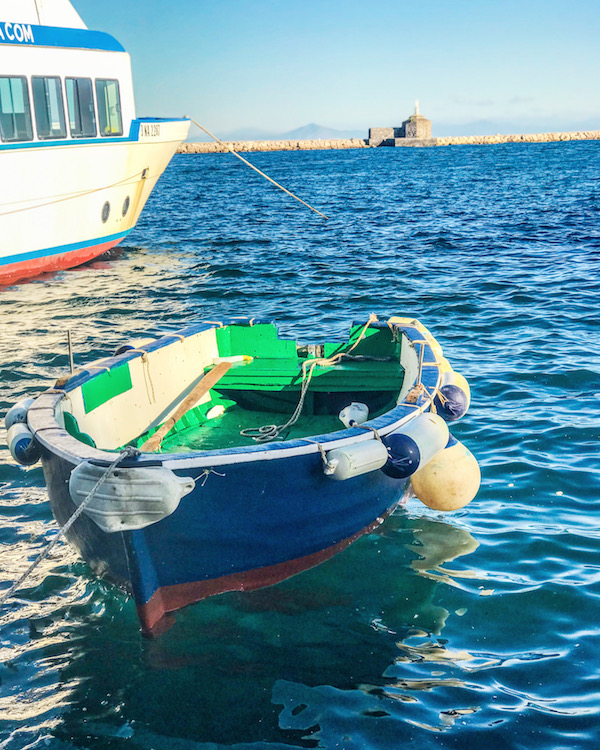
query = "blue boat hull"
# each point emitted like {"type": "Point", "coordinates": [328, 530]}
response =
{"type": "Point", "coordinates": [247, 526]}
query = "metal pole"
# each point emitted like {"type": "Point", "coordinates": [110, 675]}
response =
{"type": "Point", "coordinates": [71, 363]}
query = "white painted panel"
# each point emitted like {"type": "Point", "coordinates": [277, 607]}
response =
{"type": "Point", "coordinates": [160, 382]}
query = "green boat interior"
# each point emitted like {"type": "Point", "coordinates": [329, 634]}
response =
{"type": "Point", "coordinates": [264, 386]}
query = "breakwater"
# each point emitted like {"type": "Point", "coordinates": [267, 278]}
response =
{"type": "Point", "coordinates": [300, 145]}
{"type": "Point", "coordinates": [348, 143]}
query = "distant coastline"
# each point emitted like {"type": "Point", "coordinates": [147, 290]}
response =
{"type": "Point", "coordinates": [349, 143]}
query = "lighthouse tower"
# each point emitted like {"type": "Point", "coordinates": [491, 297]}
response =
{"type": "Point", "coordinates": [417, 126]}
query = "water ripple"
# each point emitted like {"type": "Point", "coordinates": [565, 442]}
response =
{"type": "Point", "coordinates": [486, 619]}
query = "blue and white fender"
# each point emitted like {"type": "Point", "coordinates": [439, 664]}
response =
{"type": "Point", "coordinates": [22, 444]}
{"type": "Point", "coordinates": [411, 447]}
{"type": "Point", "coordinates": [450, 480]}
{"type": "Point", "coordinates": [453, 397]}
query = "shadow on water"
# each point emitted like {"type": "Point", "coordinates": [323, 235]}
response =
{"type": "Point", "coordinates": [246, 667]}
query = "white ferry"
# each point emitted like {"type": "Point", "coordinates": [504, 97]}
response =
{"type": "Point", "coordinates": [76, 164]}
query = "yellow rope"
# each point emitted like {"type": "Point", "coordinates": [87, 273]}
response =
{"type": "Point", "coordinates": [241, 158]}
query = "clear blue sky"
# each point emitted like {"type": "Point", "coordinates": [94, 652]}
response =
{"type": "Point", "coordinates": [476, 66]}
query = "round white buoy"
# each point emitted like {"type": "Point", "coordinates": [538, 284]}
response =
{"type": "Point", "coordinates": [450, 480]}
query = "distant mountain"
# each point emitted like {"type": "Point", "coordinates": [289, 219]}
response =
{"type": "Point", "coordinates": [307, 132]}
{"type": "Point", "coordinates": [313, 131]}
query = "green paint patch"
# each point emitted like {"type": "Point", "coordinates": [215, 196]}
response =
{"type": "Point", "coordinates": [105, 386]}
{"type": "Point", "coordinates": [256, 341]}
{"type": "Point", "coordinates": [72, 427]}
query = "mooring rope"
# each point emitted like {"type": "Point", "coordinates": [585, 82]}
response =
{"type": "Point", "coordinates": [256, 169]}
{"type": "Point", "coordinates": [127, 452]}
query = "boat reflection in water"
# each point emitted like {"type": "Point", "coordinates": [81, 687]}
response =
{"type": "Point", "coordinates": [270, 660]}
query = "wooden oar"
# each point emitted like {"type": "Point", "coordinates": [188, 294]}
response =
{"type": "Point", "coordinates": [211, 378]}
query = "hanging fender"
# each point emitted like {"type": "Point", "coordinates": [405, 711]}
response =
{"type": "Point", "coordinates": [411, 447]}
{"type": "Point", "coordinates": [18, 413]}
{"type": "Point", "coordinates": [23, 446]}
{"type": "Point", "coordinates": [129, 498]}
{"type": "Point", "coordinates": [453, 397]}
{"type": "Point", "coordinates": [450, 480]}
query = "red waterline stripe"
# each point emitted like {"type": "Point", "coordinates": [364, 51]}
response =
{"type": "Point", "coordinates": [28, 268]}
{"type": "Point", "coordinates": [154, 614]}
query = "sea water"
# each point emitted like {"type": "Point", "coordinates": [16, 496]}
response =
{"type": "Point", "coordinates": [475, 629]}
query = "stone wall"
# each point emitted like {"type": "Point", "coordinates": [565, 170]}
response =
{"type": "Point", "coordinates": [464, 140]}
{"type": "Point", "coordinates": [475, 140]}
{"type": "Point", "coordinates": [245, 146]}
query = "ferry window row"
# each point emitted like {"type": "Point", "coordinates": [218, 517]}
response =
{"type": "Point", "coordinates": [16, 119]}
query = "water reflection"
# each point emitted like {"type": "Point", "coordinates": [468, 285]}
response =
{"type": "Point", "coordinates": [260, 659]}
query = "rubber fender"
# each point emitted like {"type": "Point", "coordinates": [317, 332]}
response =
{"type": "Point", "coordinates": [18, 413]}
{"type": "Point", "coordinates": [130, 498]}
{"type": "Point", "coordinates": [23, 446]}
{"type": "Point", "coordinates": [411, 447]}
{"type": "Point", "coordinates": [455, 396]}
{"type": "Point", "coordinates": [450, 480]}
{"type": "Point", "coordinates": [354, 460]}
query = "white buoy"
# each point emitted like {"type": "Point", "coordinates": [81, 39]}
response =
{"type": "Point", "coordinates": [355, 413]}
{"type": "Point", "coordinates": [450, 480]}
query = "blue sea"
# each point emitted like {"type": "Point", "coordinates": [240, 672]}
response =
{"type": "Point", "coordinates": [479, 628]}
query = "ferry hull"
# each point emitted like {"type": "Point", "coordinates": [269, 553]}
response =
{"type": "Point", "coordinates": [66, 204]}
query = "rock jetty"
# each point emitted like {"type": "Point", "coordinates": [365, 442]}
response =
{"type": "Point", "coordinates": [302, 145]}
{"type": "Point", "coordinates": [476, 140]}
{"type": "Point", "coordinates": [345, 143]}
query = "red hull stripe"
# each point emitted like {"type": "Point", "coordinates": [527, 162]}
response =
{"type": "Point", "coordinates": [28, 268]}
{"type": "Point", "coordinates": [154, 615]}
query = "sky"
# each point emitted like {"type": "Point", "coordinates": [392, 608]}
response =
{"type": "Point", "coordinates": [475, 66]}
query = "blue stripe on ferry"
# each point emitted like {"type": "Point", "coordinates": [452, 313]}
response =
{"type": "Point", "coordinates": [62, 249]}
{"type": "Point", "coordinates": [134, 136]}
{"type": "Point", "coordinates": [53, 36]}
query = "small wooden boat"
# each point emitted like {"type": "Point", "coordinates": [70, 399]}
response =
{"type": "Point", "coordinates": [225, 457]}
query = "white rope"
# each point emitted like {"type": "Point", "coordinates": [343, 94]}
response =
{"type": "Point", "coordinates": [256, 169]}
{"type": "Point", "coordinates": [125, 453]}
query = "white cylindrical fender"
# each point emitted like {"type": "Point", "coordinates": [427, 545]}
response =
{"type": "Point", "coordinates": [411, 447]}
{"type": "Point", "coordinates": [353, 460]}
{"type": "Point", "coordinates": [22, 444]}
{"type": "Point", "coordinates": [450, 480]}
{"type": "Point", "coordinates": [453, 397]}
{"type": "Point", "coordinates": [17, 413]}
{"type": "Point", "coordinates": [129, 498]}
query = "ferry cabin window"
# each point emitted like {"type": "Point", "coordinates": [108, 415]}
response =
{"type": "Point", "coordinates": [80, 103]}
{"type": "Point", "coordinates": [15, 113]}
{"type": "Point", "coordinates": [49, 109]}
{"type": "Point", "coordinates": [109, 107]}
